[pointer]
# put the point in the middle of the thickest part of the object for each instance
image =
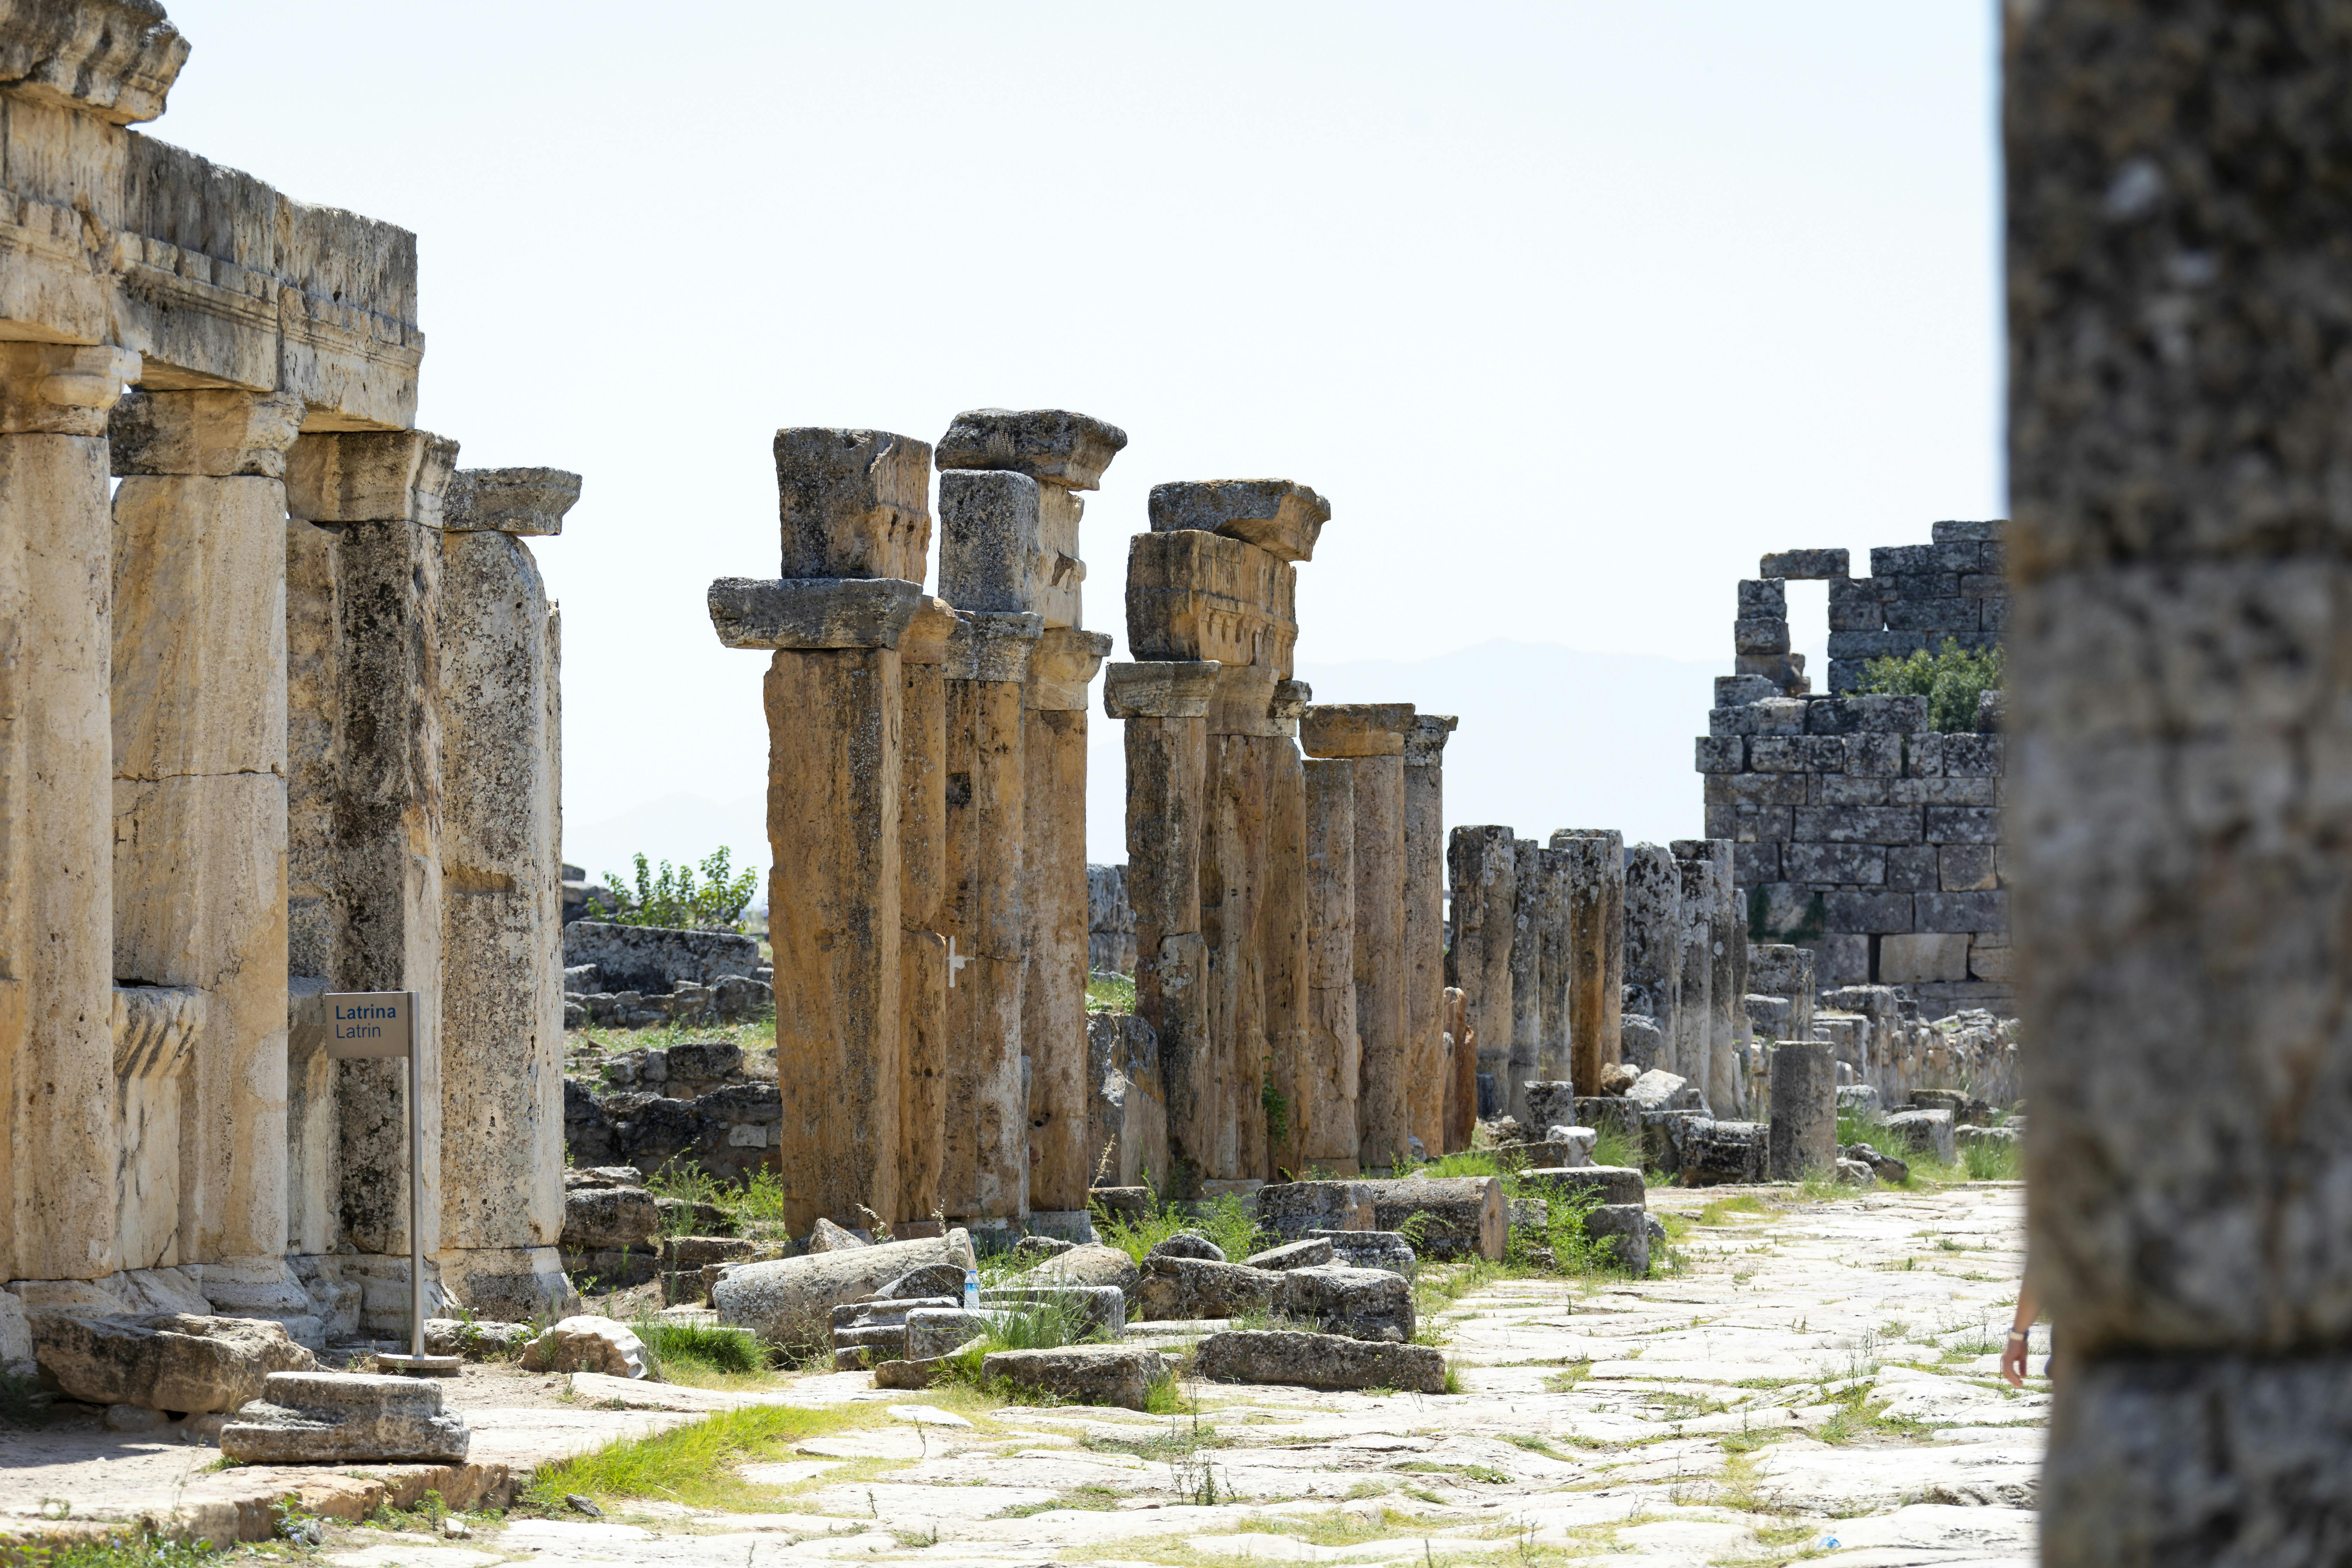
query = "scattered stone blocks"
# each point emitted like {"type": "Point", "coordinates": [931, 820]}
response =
{"type": "Point", "coordinates": [316, 1417]}
{"type": "Point", "coordinates": [1320, 1360]}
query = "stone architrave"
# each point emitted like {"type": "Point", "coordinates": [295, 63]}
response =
{"type": "Point", "coordinates": [1595, 895]}
{"type": "Point", "coordinates": [1653, 934]}
{"type": "Point", "coordinates": [1165, 704]}
{"type": "Point", "coordinates": [1053, 910]}
{"type": "Point", "coordinates": [2179, 708]}
{"type": "Point", "coordinates": [922, 869]}
{"type": "Point", "coordinates": [855, 531]}
{"type": "Point", "coordinates": [502, 1153]}
{"type": "Point", "coordinates": [1481, 863]}
{"type": "Point", "coordinates": [1693, 1040]}
{"type": "Point", "coordinates": [1324, 1096]}
{"type": "Point", "coordinates": [1530, 909]}
{"type": "Point", "coordinates": [1370, 737]}
{"type": "Point", "coordinates": [199, 728]}
{"type": "Point", "coordinates": [371, 811]}
{"type": "Point", "coordinates": [60, 1142]}
{"type": "Point", "coordinates": [1425, 927]}
{"type": "Point", "coordinates": [985, 1177]}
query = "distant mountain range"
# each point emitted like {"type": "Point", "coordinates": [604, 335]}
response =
{"type": "Point", "coordinates": [1550, 737]}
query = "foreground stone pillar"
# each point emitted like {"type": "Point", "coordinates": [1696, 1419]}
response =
{"type": "Point", "coordinates": [59, 1143]}
{"type": "Point", "coordinates": [1727, 985]}
{"type": "Point", "coordinates": [1323, 1100]}
{"type": "Point", "coordinates": [1802, 1139]}
{"type": "Point", "coordinates": [1283, 959]}
{"type": "Point", "coordinates": [856, 519]}
{"type": "Point", "coordinates": [2180, 831]}
{"type": "Point", "coordinates": [1165, 705]}
{"type": "Point", "coordinates": [1236, 866]}
{"type": "Point", "coordinates": [1529, 900]}
{"type": "Point", "coordinates": [1371, 736]}
{"type": "Point", "coordinates": [1483, 865]}
{"type": "Point", "coordinates": [1693, 1041]}
{"type": "Point", "coordinates": [1461, 1074]}
{"type": "Point", "coordinates": [501, 914]}
{"type": "Point", "coordinates": [199, 738]}
{"type": "Point", "coordinates": [1653, 938]}
{"type": "Point", "coordinates": [1554, 971]}
{"type": "Point", "coordinates": [380, 494]}
{"type": "Point", "coordinates": [1425, 927]}
{"type": "Point", "coordinates": [1053, 851]}
{"type": "Point", "coordinates": [922, 873]}
{"type": "Point", "coordinates": [1593, 877]}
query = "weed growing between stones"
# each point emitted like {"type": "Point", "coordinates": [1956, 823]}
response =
{"type": "Point", "coordinates": [1223, 1220]}
{"type": "Point", "coordinates": [1990, 1160]}
{"type": "Point", "coordinates": [694, 1464]}
{"type": "Point", "coordinates": [139, 1551]}
{"type": "Point", "coordinates": [1108, 992]}
{"type": "Point", "coordinates": [692, 1354]}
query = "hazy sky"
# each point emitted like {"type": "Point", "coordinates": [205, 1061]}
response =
{"type": "Point", "coordinates": [1570, 310]}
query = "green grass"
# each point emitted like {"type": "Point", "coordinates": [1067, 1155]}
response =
{"type": "Point", "coordinates": [755, 1205]}
{"type": "Point", "coordinates": [1223, 1220]}
{"type": "Point", "coordinates": [1617, 1147]}
{"type": "Point", "coordinates": [1988, 1161]}
{"type": "Point", "coordinates": [677, 1348]}
{"type": "Point", "coordinates": [694, 1464]}
{"type": "Point", "coordinates": [140, 1551]}
{"type": "Point", "coordinates": [585, 1048]}
{"type": "Point", "coordinates": [1110, 994]}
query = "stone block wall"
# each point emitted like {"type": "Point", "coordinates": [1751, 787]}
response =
{"type": "Point", "coordinates": [1859, 832]}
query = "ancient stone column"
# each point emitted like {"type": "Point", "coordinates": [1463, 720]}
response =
{"type": "Point", "coordinates": [1370, 737]}
{"type": "Point", "coordinates": [199, 741]}
{"type": "Point", "coordinates": [1483, 865]}
{"type": "Point", "coordinates": [1010, 512]}
{"type": "Point", "coordinates": [1234, 863]}
{"type": "Point", "coordinates": [923, 872]}
{"type": "Point", "coordinates": [1593, 877]}
{"type": "Point", "coordinates": [1461, 1074]}
{"type": "Point", "coordinates": [380, 493]}
{"type": "Point", "coordinates": [1803, 1138]}
{"type": "Point", "coordinates": [986, 1178]}
{"type": "Point", "coordinates": [1727, 984]}
{"type": "Point", "coordinates": [855, 531]}
{"type": "Point", "coordinates": [1424, 929]}
{"type": "Point", "coordinates": [1654, 936]}
{"type": "Point", "coordinates": [1693, 1040]}
{"type": "Point", "coordinates": [1325, 1096]}
{"type": "Point", "coordinates": [1165, 704]}
{"type": "Point", "coordinates": [1283, 956]}
{"type": "Point", "coordinates": [1554, 967]}
{"type": "Point", "coordinates": [1530, 910]}
{"type": "Point", "coordinates": [59, 1143]}
{"type": "Point", "coordinates": [2179, 834]}
{"type": "Point", "coordinates": [502, 913]}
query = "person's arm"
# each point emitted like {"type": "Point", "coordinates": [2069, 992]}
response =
{"type": "Point", "coordinates": [2013, 1353]}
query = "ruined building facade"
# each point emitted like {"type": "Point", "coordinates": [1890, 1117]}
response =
{"type": "Point", "coordinates": [277, 716]}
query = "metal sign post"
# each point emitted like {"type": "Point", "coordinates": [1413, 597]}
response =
{"type": "Point", "coordinates": [375, 1026]}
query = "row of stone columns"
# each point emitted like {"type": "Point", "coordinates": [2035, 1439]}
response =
{"type": "Point", "coordinates": [221, 788]}
{"type": "Point", "coordinates": [926, 789]}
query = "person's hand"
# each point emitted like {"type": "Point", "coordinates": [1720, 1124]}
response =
{"type": "Point", "coordinates": [2012, 1358]}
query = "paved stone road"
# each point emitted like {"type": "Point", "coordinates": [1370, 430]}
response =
{"type": "Point", "coordinates": [1816, 1373]}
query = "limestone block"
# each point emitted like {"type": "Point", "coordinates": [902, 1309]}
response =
{"type": "Point", "coordinates": [790, 1300]}
{"type": "Point", "coordinates": [510, 1284]}
{"type": "Point", "coordinates": [1244, 704]}
{"type": "Point", "coordinates": [1385, 1250]}
{"type": "Point", "coordinates": [213, 433]}
{"type": "Point", "coordinates": [1466, 1215]}
{"type": "Point", "coordinates": [1319, 1360]}
{"type": "Point", "coordinates": [1708, 1152]}
{"type": "Point", "coordinates": [61, 389]}
{"type": "Point", "coordinates": [1340, 1298]}
{"type": "Point", "coordinates": [155, 1031]}
{"type": "Point", "coordinates": [1089, 1265]}
{"type": "Point", "coordinates": [112, 59]}
{"type": "Point", "coordinates": [1177, 689]}
{"type": "Point", "coordinates": [1194, 595]}
{"type": "Point", "coordinates": [1183, 1288]}
{"type": "Point", "coordinates": [520, 502]}
{"type": "Point", "coordinates": [316, 1417]}
{"type": "Point", "coordinates": [1052, 445]}
{"type": "Point", "coordinates": [588, 1343]}
{"type": "Point", "coordinates": [175, 1362]}
{"type": "Point", "coordinates": [1928, 1132]}
{"type": "Point", "coordinates": [1062, 666]}
{"type": "Point", "coordinates": [1803, 564]}
{"type": "Point", "coordinates": [854, 504]}
{"type": "Point", "coordinates": [1291, 1209]}
{"type": "Point", "coordinates": [821, 613]}
{"type": "Point", "coordinates": [16, 1337]}
{"type": "Point", "coordinates": [1804, 1137]}
{"type": "Point", "coordinates": [992, 646]}
{"type": "Point", "coordinates": [603, 1218]}
{"type": "Point", "coordinates": [653, 959]}
{"type": "Point", "coordinates": [1617, 1184]}
{"type": "Point", "coordinates": [991, 552]}
{"type": "Point", "coordinates": [1621, 1230]}
{"type": "Point", "coordinates": [1276, 515]}
{"type": "Point", "coordinates": [1083, 1375]}
{"type": "Point", "coordinates": [1089, 1308]}
{"type": "Point", "coordinates": [1909, 960]}
{"type": "Point", "coordinates": [1127, 1114]}
{"type": "Point", "coordinates": [1356, 729]}
{"type": "Point", "coordinates": [1292, 1255]}
{"type": "Point", "coordinates": [369, 475]}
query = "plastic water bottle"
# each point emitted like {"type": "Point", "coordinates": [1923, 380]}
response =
{"type": "Point", "coordinates": [971, 1289]}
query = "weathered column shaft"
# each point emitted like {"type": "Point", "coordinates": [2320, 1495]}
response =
{"type": "Point", "coordinates": [1528, 899]}
{"type": "Point", "coordinates": [60, 1142]}
{"type": "Point", "coordinates": [501, 874]}
{"type": "Point", "coordinates": [1693, 1042]}
{"type": "Point", "coordinates": [1424, 929]}
{"type": "Point", "coordinates": [313, 708]}
{"type": "Point", "coordinates": [1461, 1074]}
{"type": "Point", "coordinates": [1282, 922]}
{"type": "Point", "coordinates": [1803, 1138]}
{"type": "Point", "coordinates": [2179, 830]}
{"type": "Point", "coordinates": [1726, 1007]}
{"type": "Point", "coordinates": [1555, 967]}
{"type": "Point", "coordinates": [1232, 904]}
{"type": "Point", "coordinates": [1165, 705]}
{"type": "Point", "coordinates": [1327, 1127]}
{"type": "Point", "coordinates": [199, 735]}
{"type": "Point", "coordinates": [1594, 892]}
{"type": "Point", "coordinates": [1653, 935]}
{"type": "Point", "coordinates": [1483, 865]}
{"type": "Point", "coordinates": [923, 871]}
{"type": "Point", "coordinates": [382, 494]}
{"type": "Point", "coordinates": [986, 1171]}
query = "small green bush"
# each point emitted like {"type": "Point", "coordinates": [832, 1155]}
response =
{"type": "Point", "coordinates": [1986, 1160]}
{"type": "Point", "coordinates": [1224, 1220]}
{"type": "Point", "coordinates": [717, 1347]}
{"type": "Point", "coordinates": [1951, 679]}
{"type": "Point", "coordinates": [674, 899]}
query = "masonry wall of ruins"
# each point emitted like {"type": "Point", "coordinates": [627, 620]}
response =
{"type": "Point", "coordinates": [227, 707]}
{"type": "Point", "coordinates": [1858, 831]}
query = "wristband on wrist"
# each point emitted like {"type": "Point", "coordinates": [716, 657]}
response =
{"type": "Point", "coordinates": [2018, 1334]}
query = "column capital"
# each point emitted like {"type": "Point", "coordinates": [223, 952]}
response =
{"type": "Point", "coordinates": [1276, 515]}
{"type": "Point", "coordinates": [811, 614]}
{"type": "Point", "coordinates": [1161, 689]}
{"type": "Point", "coordinates": [524, 503]}
{"type": "Point", "coordinates": [1067, 661]}
{"type": "Point", "coordinates": [369, 475]}
{"type": "Point", "coordinates": [1356, 729]}
{"type": "Point", "coordinates": [214, 433]}
{"type": "Point", "coordinates": [925, 640]}
{"type": "Point", "coordinates": [992, 645]}
{"type": "Point", "coordinates": [1052, 445]}
{"type": "Point", "coordinates": [61, 389]}
{"type": "Point", "coordinates": [854, 504]}
{"type": "Point", "coordinates": [1424, 743]}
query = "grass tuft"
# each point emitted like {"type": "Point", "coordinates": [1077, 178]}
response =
{"type": "Point", "coordinates": [694, 1464]}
